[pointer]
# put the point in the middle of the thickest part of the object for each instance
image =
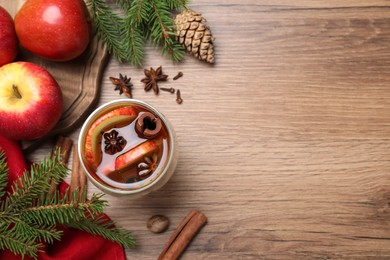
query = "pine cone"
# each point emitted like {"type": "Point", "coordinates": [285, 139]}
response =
{"type": "Point", "coordinates": [196, 37]}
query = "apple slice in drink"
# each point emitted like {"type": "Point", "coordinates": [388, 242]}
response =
{"type": "Point", "coordinates": [127, 160]}
{"type": "Point", "coordinates": [119, 117]}
{"type": "Point", "coordinates": [96, 137]}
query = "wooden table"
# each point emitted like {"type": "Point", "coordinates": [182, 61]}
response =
{"type": "Point", "coordinates": [284, 142]}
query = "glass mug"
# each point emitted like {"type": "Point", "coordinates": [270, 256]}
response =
{"type": "Point", "coordinates": [127, 147]}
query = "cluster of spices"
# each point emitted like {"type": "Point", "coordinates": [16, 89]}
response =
{"type": "Point", "coordinates": [151, 79]}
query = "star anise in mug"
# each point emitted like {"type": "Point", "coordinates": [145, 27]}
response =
{"type": "Point", "coordinates": [113, 142]}
{"type": "Point", "coordinates": [123, 85]}
{"type": "Point", "coordinates": [152, 77]}
{"type": "Point", "coordinates": [148, 166]}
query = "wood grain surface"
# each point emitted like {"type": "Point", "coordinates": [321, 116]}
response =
{"type": "Point", "coordinates": [284, 142]}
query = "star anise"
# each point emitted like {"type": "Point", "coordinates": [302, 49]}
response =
{"type": "Point", "coordinates": [113, 142]}
{"type": "Point", "coordinates": [148, 166]}
{"type": "Point", "coordinates": [152, 77]}
{"type": "Point", "coordinates": [123, 85]}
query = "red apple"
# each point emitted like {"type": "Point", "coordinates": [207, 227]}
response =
{"type": "Point", "coordinates": [14, 158]}
{"type": "Point", "coordinates": [30, 101]}
{"type": "Point", "coordinates": [57, 30]}
{"type": "Point", "coordinates": [8, 39]}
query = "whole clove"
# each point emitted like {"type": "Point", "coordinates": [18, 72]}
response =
{"type": "Point", "coordinates": [179, 100]}
{"type": "Point", "coordinates": [179, 75]}
{"type": "Point", "coordinates": [171, 90]}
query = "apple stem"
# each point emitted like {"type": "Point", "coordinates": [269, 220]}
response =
{"type": "Point", "coordinates": [16, 91]}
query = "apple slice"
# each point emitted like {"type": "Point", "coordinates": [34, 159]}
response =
{"type": "Point", "coordinates": [92, 155]}
{"type": "Point", "coordinates": [124, 162]}
{"type": "Point", "coordinates": [128, 159]}
{"type": "Point", "coordinates": [96, 136]}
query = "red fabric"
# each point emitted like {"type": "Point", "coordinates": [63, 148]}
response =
{"type": "Point", "coordinates": [75, 244]}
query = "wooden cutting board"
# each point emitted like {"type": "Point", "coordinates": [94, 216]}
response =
{"type": "Point", "coordinates": [79, 80]}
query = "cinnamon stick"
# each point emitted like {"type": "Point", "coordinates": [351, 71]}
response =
{"type": "Point", "coordinates": [65, 145]}
{"type": "Point", "coordinates": [183, 235]}
{"type": "Point", "coordinates": [78, 177]}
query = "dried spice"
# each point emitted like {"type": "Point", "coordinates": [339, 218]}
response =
{"type": "Point", "coordinates": [113, 142]}
{"type": "Point", "coordinates": [148, 166]}
{"type": "Point", "coordinates": [179, 75]}
{"type": "Point", "coordinates": [148, 125]}
{"type": "Point", "coordinates": [78, 181]}
{"type": "Point", "coordinates": [183, 234]}
{"type": "Point", "coordinates": [179, 100]}
{"type": "Point", "coordinates": [171, 90]}
{"type": "Point", "coordinates": [152, 77]}
{"type": "Point", "coordinates": [158, 223]}
{"type": "Point", "coordinates": [123, 85]}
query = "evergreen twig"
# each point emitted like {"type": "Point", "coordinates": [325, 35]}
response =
{"type": "Point", "coordinates": [139, 11]}
{"type": "Point", "coordinates": [176, 4]}
{"type": "Point", "coordinates": [31, 186]}
{"type": "Point", "coordinates": [135, 40]}
{"type": "Point", "coordinates": [47, 233]}
{"type": "Point", "coordinates": [124, 4]}
{"type": "Point", "coordinates": [63, 209]}
{"type": "Point", "coordinates": [162, 32]}
{"type": "Point", "coordinates": [105, 228]}
{"type": "Point", "coordinates": [28, 215]}
{"type": "Point", "coordinates": [109, 28]}
{"type": "Point", "coordinates": [126, 33]}
{"type": "Point", "coordinates": [3, 174]}
{"type": "Point", "coordinates": [18, 243]}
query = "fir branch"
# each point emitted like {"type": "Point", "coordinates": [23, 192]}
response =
{"type": "Point", "coordinates": [109, 28]}
{"type": "Point", "coordinates": [31, 186]}
{"type": "Point", "coordinates": [173, 49]}
{"type": "Point", "coordinates": [176, 4]}
{"type": "Point", "coordinates": [105, 228]}
{"type": "Point", "coordinates": [124, 4]}
{"type": "Point", "coordinates": [160, 21]}
{"type": "Point", "coordinates": [126, 36]}
{"type": "Point", "coordinates": [18, 243]}
{"type": "Point", "coordinates": [6, 217]}
{"type": "Point", "coordinates": [29, 214]}
{"type": "Point", "coordinates": [162, 33]}
{"type": "Point", "coordinates": [135, 39]}
{"type": "Point", "coordinates": [39, 233]}
{"type": "Point", "coordinates": [63, 210]}
{"type": "Point", "coordinates": [139, 11]}
{"type": "Point", "coordinates": [3, 174]}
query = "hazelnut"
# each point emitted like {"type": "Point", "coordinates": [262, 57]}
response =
{"type": "Point", "coordinates": [158, 223]}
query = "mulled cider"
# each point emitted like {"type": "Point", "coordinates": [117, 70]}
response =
{"type": "Point", "coordinates": [127, 147]}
